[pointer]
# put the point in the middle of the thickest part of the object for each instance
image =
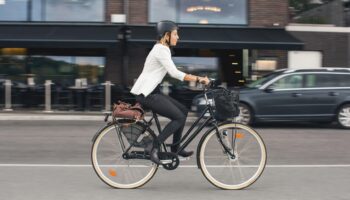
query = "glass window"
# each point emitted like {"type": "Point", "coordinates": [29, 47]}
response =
{"type": "Point", "coordinates": [289, 82]}
{"type": "Point", "coordinates": [266, 64]}
{"type": "Point", "coordinates": [62, 70]}
{"type": "Point", "coordinates": [12, 67]}
{"type": "Point", "coordinates": [52, 10]}
{"type": "Point", "coordinates": [13, 64]}
{"type": "Point", "coordinates": [343, 80]}
{"type": "Point", "coordinates": [68, 10]}
{"type": "Point", "coordinates": [65, 69]}
{"type": "Point", "coordinates": [327, 80]}
{"type": "Point", "coordinates": [13, 10]}
{"type": "Point", "coordinates": [199, 11]}
{"type": "Point", "coordinates": [263, 80]}
{"type": "Point", "coordinates": [162, 10]}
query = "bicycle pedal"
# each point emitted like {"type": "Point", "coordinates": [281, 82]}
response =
{"type": "Point", "coordinates": [164, 162]}
{"type": "Point", "coordinates": [184, 158]}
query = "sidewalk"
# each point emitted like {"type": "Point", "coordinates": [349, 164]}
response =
{"type": "Point", "coordinates": [64, 115]}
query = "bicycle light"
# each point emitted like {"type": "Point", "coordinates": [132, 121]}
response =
{"type": "Point", "coordinates": [224, 132]}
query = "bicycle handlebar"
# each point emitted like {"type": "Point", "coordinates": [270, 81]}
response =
{"type": "Point", "coordinates": [211, 84]}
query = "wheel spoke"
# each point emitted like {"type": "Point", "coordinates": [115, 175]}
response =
{"type": "Point", "coordinates": [344, 116]}
{"type": "Point", "coordinates": [240, 171]}
{"type": "Point", "coordinates": [246, 146]}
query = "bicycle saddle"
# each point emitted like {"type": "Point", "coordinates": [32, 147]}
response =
{"type": "Point", "coordinates": [145, 108]}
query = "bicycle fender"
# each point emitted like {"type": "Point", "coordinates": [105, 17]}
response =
{"type": "Point", "coordinates": [98, 132]}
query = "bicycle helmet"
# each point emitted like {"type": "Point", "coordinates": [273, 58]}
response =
{"type": "Point", "coordinates": [164, 27]}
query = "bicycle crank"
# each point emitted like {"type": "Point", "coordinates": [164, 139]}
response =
{"type": "Point", "coordinates": [169, 161]}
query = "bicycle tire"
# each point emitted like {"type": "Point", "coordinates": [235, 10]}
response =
{"type": "Point", "coordinates": [209, 157]}
{"type": "Point", "coordinates": [113, 178]}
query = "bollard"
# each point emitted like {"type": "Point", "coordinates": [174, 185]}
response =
{"type": "Point", "coordinates": [108, 85]}
{"type": "Point", "coordinates": [48, 84]}
{"type": "Point", "coordinates": [8, 103]}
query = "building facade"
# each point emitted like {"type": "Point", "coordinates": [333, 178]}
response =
{"type": "Point", "coordinates": [92, 41]}
{"type": "Point", "coordinates": [324, 28]}
{"type": "Point", "coordinates": [330, 42]}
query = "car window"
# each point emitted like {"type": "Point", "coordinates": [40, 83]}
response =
{"type": "Point", "coordinates": [343, 80]}
{"type": "Point", "coordinates": [263, 80]}
{"type": "Point", "coordinates": [292, 81]}
{"type": "Point", "coordinates": [327, 80]}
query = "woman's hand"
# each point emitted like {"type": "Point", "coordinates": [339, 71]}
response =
{"type": "Point", "coordinates": [204, 80]}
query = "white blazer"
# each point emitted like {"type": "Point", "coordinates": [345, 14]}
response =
{"type": "Point", "coordinates": [158, 63]}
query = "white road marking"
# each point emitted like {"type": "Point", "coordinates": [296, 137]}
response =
{"type": "Point", "coordinates": [181, 166]}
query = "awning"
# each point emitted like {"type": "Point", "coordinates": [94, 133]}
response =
{"type": "Point", "coordinates": [36, 35]}
{"type": "Point", "coordinates": [80, 35]}
{"type": "Point", "coordinates": [223, 37]}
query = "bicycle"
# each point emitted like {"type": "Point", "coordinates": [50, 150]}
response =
{"type": "Point", "coordinates": [230, 155]}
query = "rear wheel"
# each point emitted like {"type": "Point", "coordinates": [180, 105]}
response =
{"type": "Point", "coordinates": [343, 116]}
{"type": "Point", "coordinates": [112, 168]}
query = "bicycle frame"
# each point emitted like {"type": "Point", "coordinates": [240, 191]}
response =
{"type": "Point", "coordinates": [209, 120]}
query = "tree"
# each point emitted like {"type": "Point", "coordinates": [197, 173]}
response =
{"type": "Point", "coordinates": [304, 5]}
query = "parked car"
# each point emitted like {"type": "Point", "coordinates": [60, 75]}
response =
{"type": "Point", "coordinates": [318, 95]}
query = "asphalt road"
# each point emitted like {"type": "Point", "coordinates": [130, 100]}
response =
{"type": "Point", "coordinates": [51, 160]}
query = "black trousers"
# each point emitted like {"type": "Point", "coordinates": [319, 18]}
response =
{"type": "Point", "coordinates": [169, 108]}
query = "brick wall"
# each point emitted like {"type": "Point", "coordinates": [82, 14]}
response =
{"type": "Point", "coordinates": [335, 47]}
{"type": "Point", "coordinates": [113, 7]}
{"type": "Point", "coordinates": [138, 11]}
{"type": "Point", "coordinates": [263, 13]}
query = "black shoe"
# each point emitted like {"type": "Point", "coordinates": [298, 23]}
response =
{"type": "Point", "coordinates": [154, 156]}
{"type": "Point", "coordinates": [185, 154]}
{"type": "Point", "coordinates": [152, 150]}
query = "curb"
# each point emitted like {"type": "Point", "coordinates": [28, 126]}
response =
{"type": "Point", "coordinates": [65, 117]}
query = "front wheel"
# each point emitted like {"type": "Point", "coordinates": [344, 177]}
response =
{"type": "Point", "coordinates": [239, 169]}
{"type": "Point", "coordinates": [109, 164]}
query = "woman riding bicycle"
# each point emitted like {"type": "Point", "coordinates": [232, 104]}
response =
{"type": "Point", "coordinates": [158, 63]}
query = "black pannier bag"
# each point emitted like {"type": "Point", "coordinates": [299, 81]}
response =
{"type": "Point", "coordinates": [226, 104]}
{"type": "Point", "coordinates": [134, 133]}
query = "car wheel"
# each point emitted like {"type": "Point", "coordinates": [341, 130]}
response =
{"type": "Point", "coordinates": [245, 115]}
{"type": "Point", "coordinates": [343, 116]}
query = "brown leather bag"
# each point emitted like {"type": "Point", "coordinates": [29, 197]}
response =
{"type": "Point", "coordinates": [125, 110]}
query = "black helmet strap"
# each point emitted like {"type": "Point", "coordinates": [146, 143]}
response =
{"type": "Point", "coordinates": [169, 41]}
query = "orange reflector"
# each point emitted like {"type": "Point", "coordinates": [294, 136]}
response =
{"type": "Point", "coordinates": [239, 135]}
{"type": "Point", "coordinates": [112, 172]}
